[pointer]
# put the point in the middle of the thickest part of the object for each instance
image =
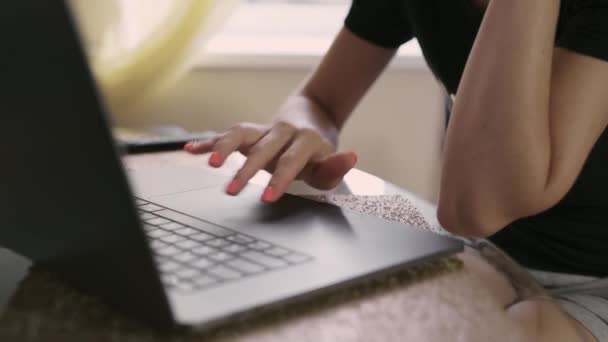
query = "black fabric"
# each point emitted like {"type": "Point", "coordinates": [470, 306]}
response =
{"type": "Point", "coordinates": [584, 27]}
{"type": "Point", "coordinates": [382, 22]}
{"type": "Point", "coordinates": [572, 236]}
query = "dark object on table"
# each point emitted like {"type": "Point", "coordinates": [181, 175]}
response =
{"type": "Point", "coordinates": [157, 139]}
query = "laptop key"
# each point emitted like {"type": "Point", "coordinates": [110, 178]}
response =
{"type": "Point", "coordinates": [277, 251]}
{"type": "Point", "coordinates": [168, 266]}
{"type": "Point", "coordinates": [172, 238]}
{"type": "Point", "coordinates": [195, 223]}
{"type": "Point", "coordinates": [187, 244]}
{"type": "Point", "coordinates": [242, 239]}
{"type": "Point", "coordinates": [223, 272]}
{"type": "Point", "coordinates": [217, 243]}
{"type": "Point", "coordinates": [170, 279]}
{"type": "Point", "coordinates": [204, 250]}
{"type": "Point", "coordinates": [160, 259]}
{"type": "Point", "coordinates": [202, 237]}
{"type": "Point", "coordinates": [185, 257]}
{"type": "Point", "coordinates": [150, 207]}
{"type": "Point", "coordinates": [264, 259]}
{"type": "Point", "coordinates": [186, 231]}
{"type": "Point", "coordinates": [149, 227]}
{"type": "Point", "coordinates": [186, 273]}
{"type": "Point", "coordinates": [171, 226]}
{"type": "Point", "coordinates": [259, 245]}
{"type": "Point", "coordinates": [157, 244]}
{"type": "Point", "coordinates": [234, 248]}
{"type": "Point", "coordinates": [157, 233]}
{"type": "Point", "coordinates": [203, 263]}
{"type": "Point", "coordinates": [221, 256]}
{"type": "Point", "coordinates": [245, 266]}
{"type": "Point", "coordinates": [168, 251]}
{"type": "Point", "coordinates": [146, 216]}
{"type": "Point", "coordinates": [157, 221]}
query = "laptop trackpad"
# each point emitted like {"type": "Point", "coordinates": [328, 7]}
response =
{"type": "Point", "coordinates": [164, 181]}
{"type": "Point", "coordinates": [293, 222]}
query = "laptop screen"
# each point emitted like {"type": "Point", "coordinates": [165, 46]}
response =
{"type": "Point", "coordinates": [65, 201]}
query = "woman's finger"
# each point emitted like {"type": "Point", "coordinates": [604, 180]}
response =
{"type": "Point", "coordinates": [260, 154]}
{"type": "Point", "coordinates": [328, 173]}
{"type": "Point", "coordinates": [240, 135]}
{"type": "Point", "coordinates": [201, 146]}
{"type": "Point", "coordinates": [290, 164]}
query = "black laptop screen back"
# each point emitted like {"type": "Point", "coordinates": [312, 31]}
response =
{"type": "Point", "coordinates": [65, 201]}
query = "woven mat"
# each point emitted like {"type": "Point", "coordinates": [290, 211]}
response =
{"type": "Point", "coordinates": [44, 309]}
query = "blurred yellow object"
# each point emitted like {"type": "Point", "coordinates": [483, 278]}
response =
{"type": "Point", "coordinates": [127, 81]}
{"type": "Point", "coordinates": [133, 76]}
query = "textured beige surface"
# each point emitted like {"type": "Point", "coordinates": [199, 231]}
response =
{"type": "Point", "coordinates": [44, 309]}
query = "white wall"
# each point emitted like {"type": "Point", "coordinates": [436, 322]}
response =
{"type": "Point", "coordinates": [396, 130]}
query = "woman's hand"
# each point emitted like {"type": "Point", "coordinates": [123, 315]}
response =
{"type": "Point", "coordinates": [288, 150]}
{"type": "Point", "coordinates": [301, 141]}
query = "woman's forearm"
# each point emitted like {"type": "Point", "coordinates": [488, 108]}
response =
{"type": "Point", "coordinates": [328, 97]}
{"type": "Point", "coordinates": [498, 147]}
{"type": "Point", "coordinates": [303, 111]}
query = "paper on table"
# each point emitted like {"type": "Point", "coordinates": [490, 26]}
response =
{"type": "Point", "coordinates": [395, 208]}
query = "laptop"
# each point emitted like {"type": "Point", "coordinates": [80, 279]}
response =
{"type": "Point", "coordinates": [166, 246]}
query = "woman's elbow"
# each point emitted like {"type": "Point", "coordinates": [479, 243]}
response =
{"type": "Point", "coordinates": [470, 219]}
{"type": "Point", "coordinates": [481, 211]}
{"type": "Point", "coordinates": [458, 223]}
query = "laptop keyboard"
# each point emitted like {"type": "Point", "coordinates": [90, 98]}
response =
{"type": "Point", "coordinates": [193, 254]}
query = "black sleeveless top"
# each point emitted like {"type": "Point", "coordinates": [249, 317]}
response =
{"type": "Point", "coordinates": [572, 236]}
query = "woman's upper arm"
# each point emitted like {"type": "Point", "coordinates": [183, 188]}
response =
{"type": "Point", "coordinates": [578, 117]}
{"type": "Point", "coordinates": [347, 71]}
{"type": "Point", "coordinates": [578, 105]}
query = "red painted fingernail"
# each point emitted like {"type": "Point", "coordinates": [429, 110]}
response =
{"type": "Point", "coordinates": [189, 145]}
{"type": "Point", "coordinates": [354, 157]}
{"type": "Point", "coordinates": [268, 195]}
{"type": "Point", "coordinates": [214, 159]}
{"type": "Point", "coordinates": [232, 188]}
